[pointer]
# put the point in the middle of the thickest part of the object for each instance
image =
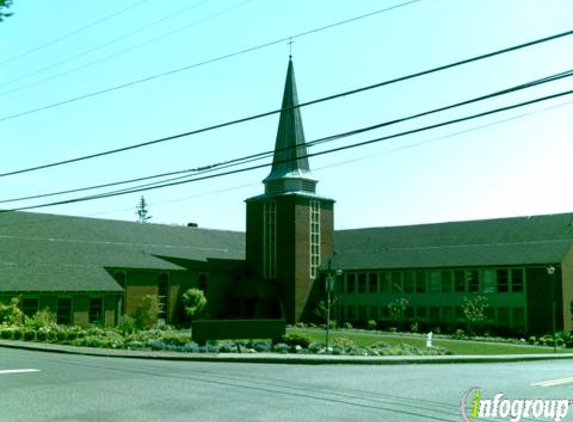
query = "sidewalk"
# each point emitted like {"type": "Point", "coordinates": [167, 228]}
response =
{"type": "Point", "coordinates": [278, 358]}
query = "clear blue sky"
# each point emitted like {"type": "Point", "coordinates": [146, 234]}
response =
{"type": "Point", "coordinates": [518, 167]}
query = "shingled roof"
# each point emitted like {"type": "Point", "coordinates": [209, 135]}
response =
{"type": "Point", "coordinates": [42, 252]}
{"type": "Point", "coordinates": [505, 241]}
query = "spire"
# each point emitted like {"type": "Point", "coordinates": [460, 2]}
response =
{"type": "Point", "coordinates": [290, 171]}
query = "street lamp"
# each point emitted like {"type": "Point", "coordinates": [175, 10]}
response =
{"type": "Point", "coordinates": [551, 271]}
{"type": "Point", "coordinates": [330, 286]}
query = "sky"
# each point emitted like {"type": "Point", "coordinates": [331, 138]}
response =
{"type": "Point", "coordinates": [176, 66]}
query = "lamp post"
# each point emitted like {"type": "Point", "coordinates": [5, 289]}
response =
{"type": "Point", "coordinates": [330, 285]}
{"type": "Point", "coordinates": [551, 271]}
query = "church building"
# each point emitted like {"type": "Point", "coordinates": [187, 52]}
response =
{"type": "Point", "coordinates": [91, 271]}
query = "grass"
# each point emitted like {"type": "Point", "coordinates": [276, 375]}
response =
{"type": "Point", "coordinates": [457, 347]}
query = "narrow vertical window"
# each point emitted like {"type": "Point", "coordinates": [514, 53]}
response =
{"type": "Point", "coordinates": [96, 310]}
{"type": "Point", "coordinates": [64, 311]}
{"type": "Point", "coordinates": [314, 238]}
{"type": "Point", "coordinates": [270, 240]}
{"type": "Point", "coordinates": [163, 294]}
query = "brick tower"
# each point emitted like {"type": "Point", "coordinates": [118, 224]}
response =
{"type": "Point", "coordinates": [289, 227]}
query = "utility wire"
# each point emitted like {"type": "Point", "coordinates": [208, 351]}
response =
{"type": "Point", "coordinates": [305, 104]}
{"type": "Point", "coordinates": [124, 51]}
{"type": "Point", "coordinates": [70, 34]}
{"type": "Point", "coordinates": [194, 65]}
{"type": "Point", "coordinates": [103, 45]}
{"type": "Point", "coordinates": [328, 151]}
{"type": "Point", "coordinates": [255, 157]}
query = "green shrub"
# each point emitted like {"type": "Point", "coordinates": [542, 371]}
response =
{"type": "Point", "coordinates": [10, 313]}
{"type": "Point", "coordinates": [348, 325]}
{"type": "Point", "coordinates": [296, 339]}
{"type": "Point", "coordinates": [414, 327]}
{"type": "Point", "coordinates": [41, 319]}
{"type": "Point", "coordinates": [371, 325]}
{"type": "Point", "coordinates": [174, 338]}
{"type": "Point", "coordinates": [459, 335]}
{"type": "Point", "coordinates": [147, 313]}
{"type": "Point", "coordinates": [532, 340]}
{"type": "Point", "coordinates": [126, 324]}
{"type": "Point", "coordinates": [344, 344]}
{"type": "Point", "coordinates": [194, 303]}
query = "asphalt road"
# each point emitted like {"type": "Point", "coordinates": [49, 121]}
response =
{"type": "Point", "coordinates": [88, 388]}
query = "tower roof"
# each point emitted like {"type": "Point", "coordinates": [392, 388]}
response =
{"type": "Point", "coordinates": [290, 171]}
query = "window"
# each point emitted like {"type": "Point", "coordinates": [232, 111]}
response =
{"type": "Point", "coordinates": [489, 313]}
{"type": "Point", "coordinates": [421, 312]}
{"type": "Point", "coordinates": [420, 282]}
{"type": "Point", "coordinates": [459, 281]}
{"type": "Point", "coordinates": [434, 313]}
{"type": "Point", "coordinates": [385, 282]}
{"type": "Point", "coordinates": [373, 313]}
{"type": "Point", "coordinates": [408, 282]}
{"type": "Point", "coordinates": [447, 285]}
{"type": "Point", "coordinates": [396, 282]}
{"type": "Point", "coordinates": [64, 312]}
{"type": "Point", "coordinates": [448, 313]}
{"type": "Point", "coordinates": [517, 280]}
{"type": "Point", "coordinates": [503, 315]}
{"type": "Point", "coordinates": [350, 283]}
{"type": "Point", "coordinates": [459, 312]}
{"type": "Point", "coordinates": [518, 317]}
{"type": "Point", "coordinates": [163, 294]}
{"type": "Point", "coordinates": [473, 280]}
{"type": "Point", "coordinates": [409, 312]}
{"type": "Point", "coordinates": [502, 281]}
{"type": "Point", "coordinates": [488, 281]}
{"type": "Point", "coordinates": [30, 306]}
{"type": "Point", "coordinates": [385, 312]}
{"type": "Point", "coordinates": [202, 283]}
{"type": "Point", "coordinates": [96, 310]}
{"type": "Point", "coordinates": [270, 239]}
{"type": "Point", "coordinates": [361, 283]}
{"type": "Point", "coordinates": [435, 281]}
{"type": "Point", "coordinates": [361, 313]}
{"type": "Point", "coordinates": [373, 282]}
{"type": "Point", "coordinates": [314, 238]}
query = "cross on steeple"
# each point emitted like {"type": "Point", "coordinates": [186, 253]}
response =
{"type": "Point", "coordinates": [290, 43]}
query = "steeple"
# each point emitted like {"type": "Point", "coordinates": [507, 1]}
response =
{"type": "Point", "coordinates": [290, 171]}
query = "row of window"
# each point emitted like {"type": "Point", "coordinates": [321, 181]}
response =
{"type": "Point", "coordinates": [501, 315]}
{"type": "Point", "coordinates": [64, 309]}
{"type": "Point", "coordinates": [501, 280]}
{"type": "Point", "coordinates": [314, 238]}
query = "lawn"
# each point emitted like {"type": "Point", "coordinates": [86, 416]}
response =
{"type": "Point", "coordinates": [457, 347]}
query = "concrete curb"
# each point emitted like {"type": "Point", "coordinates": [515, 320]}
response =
{"type": "Point", "coordinates": [275, 358]}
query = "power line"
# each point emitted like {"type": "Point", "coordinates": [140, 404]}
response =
{"type": "Point", "coordinates": [124, 51]}
{"type": "Point", "coordinates": [305, 104]}
{"type": "Point", "coordinates": [255, 157]}
{"type": "Point", "coordinates": [103, 45]}
{"type": "Point", "coordinates": [70, 34]}
{"type": "Point", "coordinates": [328, 151]}
{"type": "Point", "coordinates": [195, 65]}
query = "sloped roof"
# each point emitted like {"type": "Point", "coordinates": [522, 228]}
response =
{"type": "Point", "coordinates": [505, 241]}
{"type": "Point", "coordinates": [290, 160]}
{"type": "Point", "coordinates": [52, 251]}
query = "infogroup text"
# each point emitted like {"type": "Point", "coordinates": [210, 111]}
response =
{"type": "Point", "coordinates": [474, 407]}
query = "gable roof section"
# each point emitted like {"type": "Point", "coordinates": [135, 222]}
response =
{"type": "Point", "coordinates": [505, 241]}
{"type": "Point", "coordinates": [48, 252]}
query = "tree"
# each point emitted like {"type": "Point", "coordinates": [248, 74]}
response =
{"type": "Point", "coordinates": [4, 4]}
{"type": "Point", "coordinates": [147, 313]}
{"type": "Point", "coordinates": [194, 303]}
{"type": "Point", "coordinates": [474, 310]}
{"type": "Point", "coordinates": [11, 314]}
{"type": "Point", "coordinates": [142, 211]}
{"type": "Point", "coordinates": [397, 309]}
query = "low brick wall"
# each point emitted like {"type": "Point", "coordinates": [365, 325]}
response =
{"type": "Point", "coordinates": [238, 329]}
